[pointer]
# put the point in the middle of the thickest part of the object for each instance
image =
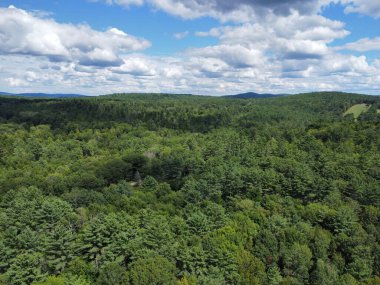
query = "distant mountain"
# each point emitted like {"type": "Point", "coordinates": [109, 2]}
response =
{"type": "Point", "coordinates": [253, 95]}
{"type": "Point", "coordinates": [43, 95]}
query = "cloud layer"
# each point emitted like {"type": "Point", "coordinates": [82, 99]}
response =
{"type": "Point", "coordinates": [287, 50]}
{"type": "Point", "coordinates": [245, 10]}
{"type": "Point", "coordinates": [225, 10]}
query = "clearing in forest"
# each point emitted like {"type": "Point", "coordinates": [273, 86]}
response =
{"type": "Point", "coordinates": [357, 110]}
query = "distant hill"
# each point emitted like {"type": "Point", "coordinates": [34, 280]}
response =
{"type": "Point", "coordinates": [42, 95]}
{"type": "Point", "coordinates": [253, 95]}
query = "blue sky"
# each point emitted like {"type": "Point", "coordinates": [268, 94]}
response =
{"type": "Point", "coordinates": [202, 47]}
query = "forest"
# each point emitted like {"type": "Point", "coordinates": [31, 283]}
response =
{"type": "Point", "coordinates": [160, 189]}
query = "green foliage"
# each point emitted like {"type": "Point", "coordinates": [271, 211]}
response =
{"type": "Point", "coordinates": [25, 268]}
{"type": "Point", "coordinates": [297, 262]}
{"type": "Point", "coordinates": [153, 270]}
{"type": "Point", "coordinates": [274, 275]}
{"type": "Point", "coordinates": [115, 170]}
{"type": "Point", "coordinates": [52, 280]}
{"type": "Point", "coordinates": [324, 273]}
{"type": "Point", "coordinates": [112, 274]}
{"type": "Point", "coordinates": [250, 268]}
{"type": "Point", "coordinates": [167, 189]}
{"type": "Point", "coordinates": [149, 183]}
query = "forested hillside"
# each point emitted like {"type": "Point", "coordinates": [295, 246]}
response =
{"type": "Point", "coordinates": [180, 189]}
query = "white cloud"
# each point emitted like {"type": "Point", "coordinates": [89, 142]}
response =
{"type": "Point", "coordinates": [246, 10]}
{"type": "Point", "coordinates": [225, 10]}
{"type": "Point", "coordinates": [181, 35]}
{"type": "Point", "coordinates": [197, 75]}
{"type": "Point", "coordinates": [237, 56]}
{"type": "Point", "coordinates": [125, 2]}
{"type": "Point", "coordinates": [138, 66]}
{"type": "Point", "coordinates": [214, 32]}
{"type": "Point", "coordinates": [331, 65]}
{"type": "Point", "coordinates": [354, 65]}
{"type": "Point", "coordinates": [209, 67]}
{"type": "Point", "coordinates": [278, 38]}
{"type": "Point", "coordinates": [366, 7]}
{"type": "Point", "coordinates": [363, 45]}
{"type": "Point", "coordinates": [16, 82]}
{"type": "Point", "coordinates": [25, 33]}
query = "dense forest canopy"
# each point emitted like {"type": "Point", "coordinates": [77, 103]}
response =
{"type": "Point", "coordinates": [180, 189]}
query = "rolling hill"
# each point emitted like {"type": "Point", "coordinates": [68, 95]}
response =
{"type": "Point", "coordinates": [253, 95]}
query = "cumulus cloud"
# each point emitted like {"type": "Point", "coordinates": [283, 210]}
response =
{"type": "Point", "coordinates": [214, 32]}
{"type": "Point", "coordinates": [353, 65]}
{"type": "Point", "coordinates": [27, 34]}
{"type": "Point", "coordinates": [209, 67]}
{"type": "Point", "coordinates": [363, 45]}
{"type": "Point", "coordinates": [16, 82]}
{"type": "Point", "coordinates": [280, 38]}
{"type": "Point", "coordinates": [236, 56]}
{"type": "Point", "coordinates": [245, 10]}
{"type": "Point", "coordinates": [138, 66]}
{"type": "Point", "coordinates": [331, 65]}
{"type": "Point", "coordinates": [237, 10]}
{"type": "Point", "coordinates": [293, 27]}
{"type": "Point", "coordinates": [366, 7]}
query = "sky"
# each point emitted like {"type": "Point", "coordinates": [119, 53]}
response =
{"type": "Point", "coordinates": [205, 47]}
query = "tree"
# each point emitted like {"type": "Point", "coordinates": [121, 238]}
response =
{"type": "Point", "coordinates": [324, 273]}
{"type": "Point", "coordinates": [274, 275]}
{"type": "Point", "coordinates": [250, 268]}
{"type": "Point", "coordinates": [362, 262]}
{"type": "Point", "coordinates": [321, 243]}
{"type": "Point", "coordinates": [149, 183]}
{"type": "Point", "coordinates": [155, 270]}
{"type": "Point", "coordinates": [26, 268]}
{"type": "Point", "coordinates": [112, 274]}
{"type": "Point", "coordinates": [51, 280]}
{"type": "Point", "coordinates": [297, 262]}
{"type": "Point", "coordinates": [115, 170]}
